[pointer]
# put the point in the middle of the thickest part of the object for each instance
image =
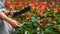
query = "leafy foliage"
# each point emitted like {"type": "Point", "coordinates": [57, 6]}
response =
{"type": "Point", "coordinates": [43, 18]}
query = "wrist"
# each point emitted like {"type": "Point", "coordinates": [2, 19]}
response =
{"type": "Point", "coordinates": [10, 12]}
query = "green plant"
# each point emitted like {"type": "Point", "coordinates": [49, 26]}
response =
{"type": "Point", "coordinates": [43, 18]}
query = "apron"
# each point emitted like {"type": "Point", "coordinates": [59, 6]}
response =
{"type": "Point", "coordinates": [5, 28]}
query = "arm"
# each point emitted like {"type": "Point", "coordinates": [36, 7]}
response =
{"type": "Point", "coordinates": [11, 12]}
{"type": "Point", "coordinates": [9, 20]}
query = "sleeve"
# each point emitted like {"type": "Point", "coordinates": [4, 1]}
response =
{"type": "Point", "coordinates": [2, 5]}
{"type": "Point", "coordinates": [2, 10]}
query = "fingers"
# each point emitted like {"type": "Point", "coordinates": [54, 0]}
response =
{"type": "Point", "coordinates": [12, 12]}
{"type": "Point", "coordinates": [19, 25]}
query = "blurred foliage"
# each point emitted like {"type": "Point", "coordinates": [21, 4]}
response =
{"type": "Point", "coordinates": [43, 18]}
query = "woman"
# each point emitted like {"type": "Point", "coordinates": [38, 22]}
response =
{"type": "Point", "coordinates": [6, 24]}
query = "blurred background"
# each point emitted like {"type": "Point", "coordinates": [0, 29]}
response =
{"type": "Point", "coordinates": [43, 18]}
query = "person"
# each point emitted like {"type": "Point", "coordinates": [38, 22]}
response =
{"type": "Point", "coordinates": [6, 24]}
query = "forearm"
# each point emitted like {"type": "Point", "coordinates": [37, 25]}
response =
{"type": "Point", "coordinates": [7, 19]}
{"type": "Point", "coordinates": [6, 12]}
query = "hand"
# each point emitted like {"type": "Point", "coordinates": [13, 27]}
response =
{"type": "Point", "coordinates": [12, 22]}
{"type": "Point", "coordinates": [12, 12]}
{"type": "Point", "coordinates": [16, 24]}
{"type": "Point", "coordinates": [6, 11]}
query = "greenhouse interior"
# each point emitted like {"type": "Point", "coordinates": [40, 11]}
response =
{"type": "Point", "coordinates": [36, 16]}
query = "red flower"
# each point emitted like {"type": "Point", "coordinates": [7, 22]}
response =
{"type": "Point", "coordinates": [54, 10]}
{"type": "Point", "coordinates": [50, 5]}
{"type": "Point", "coordinates": [18, 0]}
{"type": "Point", "coordinates": [23, 0]}
{"type": "Point", "coordinates": [24, 6]}
{"type": "Point", "coordinates": [9, 2]}
{"type": "Point", "coordinates": [36, 1]}
{"type": "Point", "coordinates": [40, 12]}
{"type": "Point", "coordinates": [51, 21]}
{"type": "Point", "coordinates": [20, 4]}
{"type": "Point", "coordinates": [31, 13]}
{"type": "Point", "coordinates": [11, 6]}
{"type": "Point", "coordinates": [17, 3]}
{"type": "Point", "coordinates": [16, 7]}
{"type": "Point", "coordinates": [27, 16]}
{"type": "Point", "coordinates": [57, 6]}
{"type": "Point", "coordinates": [42, 25]}
{"type": "Point", "coordinates": [29, 1]}
{"type": "Point", "coordinates": [23, 20]}
{"type": "Point", "coordinates": [40, 4]}
{"type": "Point", "coordinates": [44, 6]}
{"type": "Point", "coordinates": [33, 5]}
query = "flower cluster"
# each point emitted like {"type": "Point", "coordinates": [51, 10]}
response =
{"type": "Point", "coordinates": [43, 18]}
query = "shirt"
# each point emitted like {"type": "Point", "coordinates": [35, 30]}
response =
{"type": "Point", "coordinates": [2, 5]}
{"type": "Point", "coordinates": [1, 10]}
{"type": "Point", "coordinates": [5, 28]}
